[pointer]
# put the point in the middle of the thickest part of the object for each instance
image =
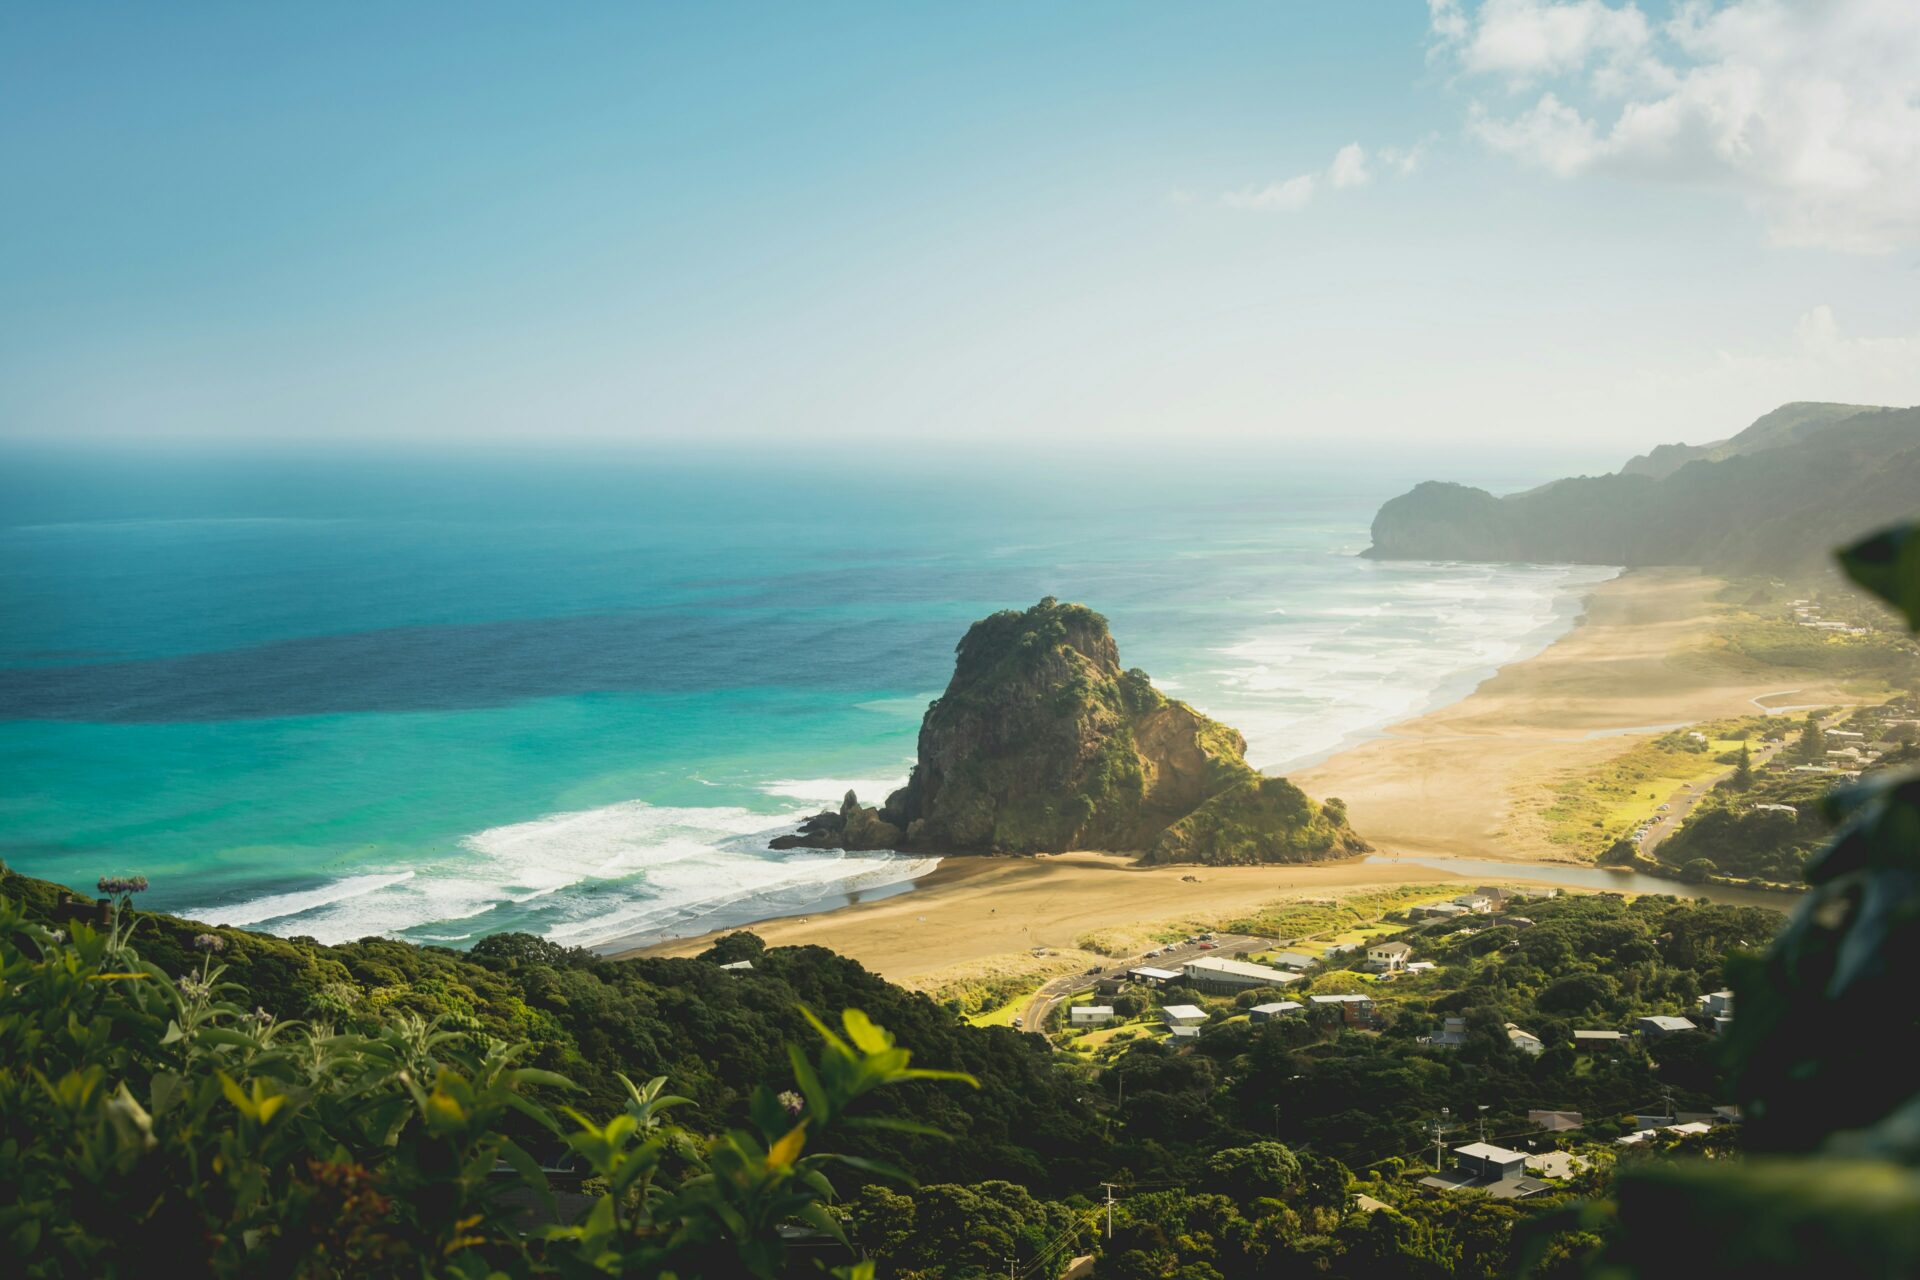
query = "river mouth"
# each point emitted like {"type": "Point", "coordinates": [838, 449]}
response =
{"type": "Point", "coordinates": [1594, 878]}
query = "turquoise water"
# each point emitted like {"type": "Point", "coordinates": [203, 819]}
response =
{"type": "Point", "coordinates": [439, 698]}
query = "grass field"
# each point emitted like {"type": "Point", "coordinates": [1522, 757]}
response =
{"type": "Point", "coordinates": [1590, 810]}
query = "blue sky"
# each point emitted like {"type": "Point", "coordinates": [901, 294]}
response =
{"type": "Point", "coordinates": [975, 225]}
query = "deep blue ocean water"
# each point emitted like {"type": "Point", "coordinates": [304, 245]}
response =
{"type": "Point", "coordinates": [441, 697]}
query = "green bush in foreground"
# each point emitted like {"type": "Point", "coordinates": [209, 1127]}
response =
{"type": "Point", "coordinates": [150, 1124]}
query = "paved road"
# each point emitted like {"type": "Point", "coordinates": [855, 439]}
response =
{"type": "Point", "coordinates": [1688, 797]}
{"type": "Point", "coordinates": [1040, 1007]}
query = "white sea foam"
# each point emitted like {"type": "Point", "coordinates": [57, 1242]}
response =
{"type": "Point", "coordinates": [275, 905]}
{"type": "Point", "coordinates": [589, 877]}
{"type": "Point", "coordinates": [1388, 643]}
{"type": "Point", "coordinates": [831, 791]}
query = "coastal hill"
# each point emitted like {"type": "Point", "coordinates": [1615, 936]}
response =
{"type": "Point", "coordinates": [1773, 498]}
{"type": "Point", "coordinates": [1042, 742]}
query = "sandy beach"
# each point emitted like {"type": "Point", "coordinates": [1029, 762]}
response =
{"type": "Point", "coordinates": [1457, 780]}
{"type": "Point", "coordinates": [1450, 782]}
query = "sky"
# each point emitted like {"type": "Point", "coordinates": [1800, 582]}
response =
{"type": "Point", "coordinates": [1132, 226]}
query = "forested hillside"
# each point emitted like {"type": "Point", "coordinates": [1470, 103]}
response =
{"type": "Point", "coordinates": [1776, 507]}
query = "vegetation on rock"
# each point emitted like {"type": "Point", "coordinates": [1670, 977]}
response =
{"type": "Point", "coordinates": [1042, 742]}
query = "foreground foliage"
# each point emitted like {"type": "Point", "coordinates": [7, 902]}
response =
{"type": "Point", "coordinates": [149, 1119]}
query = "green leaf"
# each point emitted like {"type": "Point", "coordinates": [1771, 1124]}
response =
{"type": "Point", "coordinates": [1888, 564]}
{"type": "Point", "coordinates": [867, 1037]}
{"type": "Point", "coordinates": [531, 1174]}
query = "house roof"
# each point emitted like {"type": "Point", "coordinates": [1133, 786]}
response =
{"type": "Point", "coordinates": [738, 964]}
{"type": "Point", "coordinates": [1277, 1006]}
{"type": "Point", "coordinates": [1093, 1008]}
{"type": "Point", "coordinates": [1241, 969]}
{"type": "Point", "coordinates": [1183, 1032]}
{"type": "Point", "coordinates": [1356, 999]}
{"type": "Point", "coordinates": [1156, 975]}
{"type": "Point", "coordinates": [1297, 959]}
{"type": "Point", "coordinates": [1556, 1121]}
{"type": "Point", "coordinates": [1487, 1151]}
{"type": "Point", "coordinates": [1391, 949]}
{"type": "Point", "coordinates": [1667, 1022]}
{"type": "Point", "coordinates": [1183, 1011]}
{"type": "Point", "coordinates": [1599, 1035]}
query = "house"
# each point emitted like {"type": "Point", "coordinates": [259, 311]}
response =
{"type": "Point", "coordinates": [1598, 1039]}
{"type": "Point", "coordinates": [1453, 1032]}
{"type": "Point", "coordinates": [1215, 973]}
{"type": "Point", "coordinates": [1388, 957]}
{"type": "Point", "coordinates": [1152, 976]}
{"type": "Point", "coordinates": [1268, 1012]}
{"type": "Point", "coordinates": [1089, 1015]}
{"type": "Point", "coordinates": [738, 965]}
{"type": "Point", "coordinates": [1354, 1011]}
{"type": "Point", "coordinates": [1481, 1166]}
{"type": "Point", "coordinates": [1717, 1005]}
{"type": "Point", "coordinates": [1661, 1025]}
{"type": "Point", "coordinates": [1441, 910]}
{"type": "Point", "coordinates": [1478, 902]}
{"type": "Point", "coordinates": [1525, 1041]}
{"type": "Point", "coordinates": [1109, 986]}
{"type": "Point", "coordinates": [1556, 1121]}
{"type": "Point", "coordinates": [1296, 960]}
{"type": "Point", "coordinates": [1421, 966]}
{"type": "Point", "coordinates": [1184, 1031]}
{"type": "Point", "coordinates": [1183, 1015]}
{"type": "Point", "coordinates": [1558, 1164]}
{"type": "Point", "coordinates": [1341, 949]}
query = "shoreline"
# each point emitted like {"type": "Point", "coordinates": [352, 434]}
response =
{"type": "Point", "coordinates": [1451, 782]}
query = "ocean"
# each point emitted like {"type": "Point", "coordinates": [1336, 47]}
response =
{"type": "Point", "coordinates": [441, 697]}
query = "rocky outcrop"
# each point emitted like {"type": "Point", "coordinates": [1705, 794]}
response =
{"type": "Point", "coordinates": [1042, 742]}
{"type": "Point", "coordinates": [853, 827]}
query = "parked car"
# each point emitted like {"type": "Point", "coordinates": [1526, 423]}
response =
{"type": "Point", "coordinates": [1208, 946]}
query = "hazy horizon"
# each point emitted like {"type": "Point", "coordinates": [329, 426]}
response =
{"type": "Point", "coordinates": [1578, 227]}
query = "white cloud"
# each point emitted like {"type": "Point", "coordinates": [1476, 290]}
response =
{"type": "Point", "coordinates": [1810, 111]}
{"type": "Point", "coordinates": [1349, 167]}
{"type": "Point", "coordinates": [1284, 196]}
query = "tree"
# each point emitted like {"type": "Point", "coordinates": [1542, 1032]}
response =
{"type": "Point", "coordinates": [1812, 746]}
{"type": "Point", "coordinates": [1742, 779]}
{"type": "Point", "coordinates": [1698, 870]}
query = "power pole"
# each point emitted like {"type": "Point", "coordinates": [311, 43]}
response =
{"type": "Point", "coordinates": [1441, 1125]}
{"type": "Point", "coordinates": [1109, 1187]}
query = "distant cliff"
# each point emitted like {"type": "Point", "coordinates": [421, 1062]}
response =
{"type": "Point", "coordinates": [1043, 743]}
{"type": "Point", "coordinates": [1774, 498]}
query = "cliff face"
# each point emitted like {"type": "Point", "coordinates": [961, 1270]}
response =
{"type": "Point", "coordinates": [1800, 480]}
{"type": "Point", "coordinates": [1042, 742]}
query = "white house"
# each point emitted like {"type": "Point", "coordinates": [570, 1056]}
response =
{"type": "Point", "coordinates": [1296, 960]}
{"type": "Point", "coordinates": [1388, 957]}
{"type": "Point", "coordinates": [1474, 902]}
{"type": "Point", "coordinates": [1421, 966]}
{"type": "Point", "coordinates": [1149, 974]}
{"type": "Point", "coordinates": [1089, 1015]}
{"type": "Point", "coordinates": [1278, 1008]}
{"type": "Point", "coordinates": [1525, 1041]}
{"type": "Point", "coordinates": [1216, 973]}
{"type": "Point", "coordinates": [1183, 1015]}
{"type": "Point", "coordinates": [738, 966]}
{"type": "Point", "coordinates": [1662, 1025]}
